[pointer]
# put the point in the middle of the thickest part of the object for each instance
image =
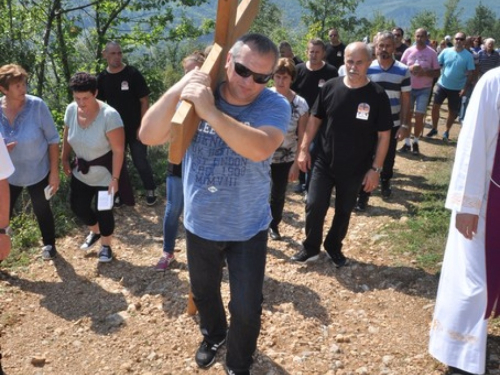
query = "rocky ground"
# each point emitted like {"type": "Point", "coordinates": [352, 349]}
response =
{"type": "Point", "coordinates": [75, 316]}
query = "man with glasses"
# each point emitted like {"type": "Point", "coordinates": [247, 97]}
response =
{"type": "Point", "coordinates": [226, 180]}
{"type": "Point", "coordinates": [456, 76]}
{"type": "Point", "coordinates": [335, 49]}
{"type": "Point", "coordinates": [399, 46]}
{"type": "Point", "coordinates": [352, 117]}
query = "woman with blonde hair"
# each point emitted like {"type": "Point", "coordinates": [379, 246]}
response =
{"type": "Point", "coordinates": [175, 194]}
{"type": "Point", "coordinates": [284, 166]}
{"type": "Point", "coordinates": [33, 142]}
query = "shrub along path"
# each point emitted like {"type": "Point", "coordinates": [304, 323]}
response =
{"type": "Point", "coordinates": [72, 316]}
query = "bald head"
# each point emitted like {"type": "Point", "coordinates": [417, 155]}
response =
{"type": "Point", "coordinates": [357, 60]}
{"type": "Point", "coordinates": [359, 47]}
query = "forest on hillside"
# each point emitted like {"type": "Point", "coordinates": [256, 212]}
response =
{"type": "Point", "coordinates": [53, 39]}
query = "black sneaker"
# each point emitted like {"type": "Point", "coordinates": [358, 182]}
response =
{"type": "Point", "coordinates": [299, 188]}
{"type": "Point", "coordinates": [362, 203]}
{"type": "Point", "coordinates": [205, 355]}
{"type": "Point", "coordinates": [118, 202]}
{"type": "Point", "coordinates": [90, 241]}
{"type": "Point", "coordinates": [457, 371]}
{"type": "Point", "coordinates": [48, 252]}
{"type": "Point", "coordinates": [385, 188]}
{"type": "Point", "coordinates": [303, 256]}
{"type": "Point", "coordinates": [406, 148]}
{"type": "Point", "coordinates": [431, 133]}
{"type": "Point", "coordinates": [105, 254]}
{"type": "Point", "coordinates": [274, 233]}
{"type": "Point", "coordinates": [150, 197]}
{"type": "Point", "coordinates": [415, 150]}
{"type": "Point", "coordinates": [338, 259]}
{"type": "Point", "coordinates": [233, 372]}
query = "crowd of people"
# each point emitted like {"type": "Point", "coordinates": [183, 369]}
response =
{"type": "Point", "coordinates": [332, 122]}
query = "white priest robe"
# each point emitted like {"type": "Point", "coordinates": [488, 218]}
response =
{"type": "Point", "coordinates": [459, 330]}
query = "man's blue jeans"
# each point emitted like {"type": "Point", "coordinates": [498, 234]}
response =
{"type": "Point", "coordinates": [246, 262]}
{"type": "Point", "coordinates": [173, 210]}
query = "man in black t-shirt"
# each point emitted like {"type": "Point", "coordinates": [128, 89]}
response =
{"type": "Point", "coordinates": [399, 46]}
{"type": "Point", "coordinates": [286, 51]}
{"type": "Point", "coordinates": [335, 49]}
{"type": "Point", "coordinates": [311, 76]}
{"type": "Point", "coordinates": [123, 87]}
{"type": "Point", "coordinates": [352, 117]}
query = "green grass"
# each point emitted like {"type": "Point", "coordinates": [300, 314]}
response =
{"type": "Point", "coordinates": [424, 233]}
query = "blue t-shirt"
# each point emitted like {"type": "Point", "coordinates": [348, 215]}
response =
{"type": "Point", "coordinates": [226, 196]}
{"type": "Point", "coordinates": [34, 131]}
{"type": "Point", "coordinates": [455, 66]}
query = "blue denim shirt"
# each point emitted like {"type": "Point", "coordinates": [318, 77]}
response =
{"type": "Point", "coordinates": [33, 130]}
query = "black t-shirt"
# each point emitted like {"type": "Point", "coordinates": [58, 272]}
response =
{"type": "Point", "coordinates": [335, 54]}
{"type": "Point", "coordinates": [297, 60]}
{"type": "Point", "coordinates": [352, 119]}
{"type": "Point", "coordinates": [122, 91]}
{"type": "Point", "coordinates": [398, 52]}
{"type": "Point", "coordinates": [308, 82]}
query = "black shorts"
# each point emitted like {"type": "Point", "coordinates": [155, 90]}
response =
{"type": "Point", "coordinates": [440, 94]}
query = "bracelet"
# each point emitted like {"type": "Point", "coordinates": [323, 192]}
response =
{"type": "Point", "coordinates": [115, 179]}
{"type": "Point", "coordinates": [405, 126]}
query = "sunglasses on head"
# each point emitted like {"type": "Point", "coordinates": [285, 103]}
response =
{"type": "Point", "coordinates": [244, 72]}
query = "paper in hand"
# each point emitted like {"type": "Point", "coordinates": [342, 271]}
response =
{"type": "Point", "coordinates": [105, 200]}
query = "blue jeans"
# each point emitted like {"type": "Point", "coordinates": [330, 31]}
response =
{"type": "Point", "coordinates": [246, 263]}
{"type": "Point", "coordinates": [139, 154]}
{"type": "Point", "coordinates": [173, 210]}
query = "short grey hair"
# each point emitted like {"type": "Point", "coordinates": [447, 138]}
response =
{"type": "Point", "coordinates": [262, 44]}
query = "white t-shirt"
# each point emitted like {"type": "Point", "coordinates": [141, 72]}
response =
{"type": "Point", "coordinates": [6, 167]}
{"type": "Point", "coordinates": [92, 142]}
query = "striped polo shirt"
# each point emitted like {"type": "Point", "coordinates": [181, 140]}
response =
{"type": "Point", "coordinates": [394, 80]}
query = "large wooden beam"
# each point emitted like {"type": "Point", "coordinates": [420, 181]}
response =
{"type": "Point", "coordinates": [232, 21]}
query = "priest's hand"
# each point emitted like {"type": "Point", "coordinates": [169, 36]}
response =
{"type": "Point", "coordinates": [466, 224]}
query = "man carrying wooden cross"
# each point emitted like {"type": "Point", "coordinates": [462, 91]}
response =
{"type": "Point", "coordinates": [226, 188]}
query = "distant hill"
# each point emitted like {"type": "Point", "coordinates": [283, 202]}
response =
{"type": "Point", "coordinates": [394, 9]}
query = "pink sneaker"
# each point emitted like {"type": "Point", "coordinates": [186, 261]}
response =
{"type": "Point", "coordinates": [164, 262]}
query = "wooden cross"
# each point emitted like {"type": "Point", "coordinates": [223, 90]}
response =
{"type": "Point", "coordinates": [232, 21]}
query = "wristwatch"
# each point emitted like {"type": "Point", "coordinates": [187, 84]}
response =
{"type": "Point", "coordinates": [6, 231]}
{"type": "Point", "coordinates": [377, 169]}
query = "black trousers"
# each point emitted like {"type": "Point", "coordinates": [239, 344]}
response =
{"type": "Point", "coordinates": [279, 178]}
{"type": "Point", "coordinates": [41, 208]}
{"type": "Point", "coordinates": [388, 167]}
{"type": "Point", "coordinates": [322, 183]}
{"type": "Point", "coordinates": [81, 196]}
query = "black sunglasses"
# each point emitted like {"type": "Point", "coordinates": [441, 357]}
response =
{"type": "Point", "coordinates": [244, 72]}
{"type": "Point", "coordinates": [462, 39]}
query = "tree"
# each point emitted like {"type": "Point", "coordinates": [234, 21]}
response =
{"type": "Point", "coordinates": [66, 36]}
{"type": "Point", "coordinates": [427, 20]}
{"type": "Point", "coordinates": [452, 16]}
{"type": "Point", "coordinates": [325, 14]}
{"type": "Point", "coordinates": [483, 23]}
{"type": "Point", "coordinates": [378, 23]}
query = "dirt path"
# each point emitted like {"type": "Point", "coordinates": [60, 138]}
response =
{"type": "Point", "coordinates": [72, 316]}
